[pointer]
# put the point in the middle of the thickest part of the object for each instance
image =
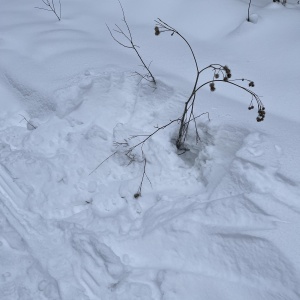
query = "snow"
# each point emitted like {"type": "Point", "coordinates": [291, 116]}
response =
{"type": "Point", "coordinates": [220, 221]}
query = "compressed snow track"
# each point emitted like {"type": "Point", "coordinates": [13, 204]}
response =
{"type": "Point", "coordinates": [102, 243]}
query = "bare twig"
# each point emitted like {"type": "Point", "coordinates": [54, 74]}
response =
{"type": "Point", "coordinates": [34, 127]}
{"type": "Point", "coordinates": [107, 158]}
{"type": "Point", "coordinates": [50, 6]}
{"type": "Point", "coordinates": [130, 45]}
{"type": "Point", "coordinates": [128, 150]}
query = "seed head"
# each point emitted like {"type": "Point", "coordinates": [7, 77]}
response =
{"type": "Point", "coordinates": [156, 29]}
{"type": "Point", "coordinates": [225, 78]}
{"type": "Point", "coordinates": [251, 84]}
{"type": "Point", "coordinates": [212, 86]}
{"type": "Point", "coordinates": [227, 70]}
{"type": "Point", "coordinates": [217, 75]}
{"type": "Point", "coordinates": [137, 195]}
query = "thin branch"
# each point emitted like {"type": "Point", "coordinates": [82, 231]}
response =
{"type": "Point", "coordinates": [51, 7]}
{"type": "Point", "coordinates": [107, 158]}
{"type": "Point", "coordinates": [43, 8]}
{"type": "Point", "coordinates": [131, 45]}
{"type": "Point", "coordinates": [27, 122]}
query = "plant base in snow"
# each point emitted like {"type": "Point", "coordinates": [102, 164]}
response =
{"type": "Point", "coordinates": [248, 19]}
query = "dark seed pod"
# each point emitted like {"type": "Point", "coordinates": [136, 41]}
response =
{"type": "Point", "coordinates": [212, 86]}
{"type": "Point", "coordinates": [251, 84]}
{"type": "Point", "coordinates": [217, 75]}
{"type": "Point", "coordinates": [137, 195]}
{"type": "Point", "coordinates": [156, 29]}
{"type": "Point", "coordinates": [226, 69]}
{"type": "Point", "coordinates": [225, 78]}
{"type": "Point", "coordinates": [261, 113]}
{"type": "Point", "coordinates": [229, 75]}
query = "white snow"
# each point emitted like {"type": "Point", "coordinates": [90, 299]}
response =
{"type": "Point", "coordinates": [218, 222]}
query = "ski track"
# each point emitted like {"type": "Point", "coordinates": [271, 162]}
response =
{"type": "Point", "coordinates": [60, 256]}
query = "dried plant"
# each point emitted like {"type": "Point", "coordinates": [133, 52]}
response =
{"type": "Point", "coordinates": [221, 74]}
{"type": "Point", "coordinates": [131, 45]}
{"type": "Point", "coordinates": [50, 6]}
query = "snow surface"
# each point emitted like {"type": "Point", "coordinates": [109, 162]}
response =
{"type": "Point", "coordinates": [219, 222]}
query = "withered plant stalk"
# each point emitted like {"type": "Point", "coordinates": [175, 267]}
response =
{"type": "Point", "coordinates": [221, 74]}
{"type": "Point", "coordinates": [131, 45]}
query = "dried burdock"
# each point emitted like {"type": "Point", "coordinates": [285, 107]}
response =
{"type": "Point", "coordinates": [137, 195]}
{"type": "Point", "coordinates": [212, 86]}
{"type": "Point", "coordinates": [227, 70]}
{"type": "Point", "coordinates": [262, 113]}
{"type": "Point", "coordinates": [156, 29]}
{"type": "Point", "coordinates": [188, 112]}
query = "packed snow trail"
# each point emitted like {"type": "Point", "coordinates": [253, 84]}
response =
{"type": "Point", "coordinates": [216, 227]}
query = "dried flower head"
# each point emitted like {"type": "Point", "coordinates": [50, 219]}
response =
{"type": "Point", "coordinates": [156, 29]}
{"type": "Point", "coordinates": [137, 195]}
{"type": "Point", "coordinates": [261, 114]}
{"type": "Point", "coordinates": [227, 70]}
{"type": "Point", "coordinates": [225, 78]}
{"type": "Point", "coordinates": [212, 86]}
{"type": "Point", "coordinates": [216, 75]}
{"type": "Point", "coordinates": [251, 84]}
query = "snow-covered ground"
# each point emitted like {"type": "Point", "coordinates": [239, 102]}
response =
{"type": "Point", "coordinates": [219, 222]}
